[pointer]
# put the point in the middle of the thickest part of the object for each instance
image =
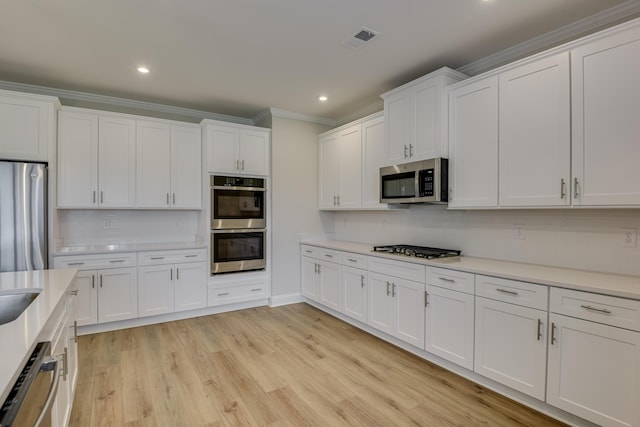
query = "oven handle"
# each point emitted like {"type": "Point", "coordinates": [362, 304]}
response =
{"type": "Point", "coordinates": [239, 230]}
{"type": "Point", "coordinates": [52, 365]}
{"type": "Point", "coordinates": [222, 187]}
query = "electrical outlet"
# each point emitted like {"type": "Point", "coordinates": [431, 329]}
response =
{"type": "Point", "coordinates": [107, 224]}
{"type": "Point", "coordinates": [518, 231]}
{"type": "Point", "coordinates": [629, 237]}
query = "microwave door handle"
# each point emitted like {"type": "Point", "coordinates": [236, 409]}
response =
{"type": "Point", "coordinates": [52, 365]}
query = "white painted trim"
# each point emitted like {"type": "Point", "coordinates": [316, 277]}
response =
{"type": "Point", "coordinates": [580, 28]}
{"type": "Point", "coordinates": [150, 320]}
{"type": "Point", "coordinates": [276, 112]}
{"type": "Point", "coordinates": [368, 110]}
{"type": "Point", "coordinates": [278, 300]}
{"type": "Point", "coordinates": [122, 102]}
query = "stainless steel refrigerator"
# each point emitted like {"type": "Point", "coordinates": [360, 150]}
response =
{"type": "Point", "coordinates": [23, 216]}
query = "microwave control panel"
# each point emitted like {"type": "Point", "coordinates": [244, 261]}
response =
{"type": "Point", "coordinates": [426, 182]}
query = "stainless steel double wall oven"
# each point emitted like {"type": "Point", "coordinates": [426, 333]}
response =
{"type": "Point", "coordinates": [238, 224]}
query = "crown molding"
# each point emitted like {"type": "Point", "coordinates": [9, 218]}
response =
{"type": "Point", "coordinates": [122, 102]}
{"type": "Point", "coordinates": [606, 18]}
{"type": "Point", "coordinates": [367, 110]}
{"type": "Point", "coordinates": [276, 112]}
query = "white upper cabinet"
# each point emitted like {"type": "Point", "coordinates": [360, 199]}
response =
{"type": "Point", "coordinates": [329, 154]}
{"type": "Point", "coordinates": [236, 149]}
{"type": "Point", "coordinates": [535, 139]}
{"type": "Point", "coordinates": [168, 166]}
{"type": "Point", "coordinates": [605, 90]}
{"type": "Point", "coordinates": [473, 144]}
{"type": "Point", "coordinates": [374, 155]}
{"type": "Point", "coordinates": [116, 162]}
{"type": "Point", "coordinates": [415, 119]}
{"type": "Point", "coordinates": [27, 126]}
{"type": "Point", "coordinates": [350, 173]}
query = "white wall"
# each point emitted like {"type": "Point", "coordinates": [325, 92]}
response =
{"type": "Point", "coordinates": [294, 198]}
{"type": "Point", "coordinates": [583, 239]}
{"type": "Point", "coordinates": [87, 227]}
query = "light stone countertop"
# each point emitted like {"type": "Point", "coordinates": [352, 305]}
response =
{"type": "Point", "coordinates": [582, 280]}
{"type": "Point", "coordinates": [19, 337]}
{"type": "Point", "coordinates": [126, 247]}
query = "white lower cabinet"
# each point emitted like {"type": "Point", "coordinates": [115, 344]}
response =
{"type": "Point", "coordinates": [117, 294]}
{"type": "Point", "coordinates": [396, 306]}
{"type": "Point", "coordinates": [64, 348]}
{"type": "Point", "coordinates": [322, 276]}
{"type": "Point", "coordinates": [594, 368]}
{"type": "Point", "coordinates": [354, 293]}
{"type": "Point", "coordinates": [310, 280]}
{"type": "Point", "coordinates": [87, 298]}
{"type": "Point", "coordinates": [155, 287]}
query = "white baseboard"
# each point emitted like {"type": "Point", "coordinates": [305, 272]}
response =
{"type": "Point", "coordinates": [278, 300]}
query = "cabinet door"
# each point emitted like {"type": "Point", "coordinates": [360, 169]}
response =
{"type": "Point", "coordinates": [254, 152]}
{"type": "Point", "coordinates": [381, 305]}
{"type": "Point", "coordinates": [190, 286]}
{"type": "Point", "coordinates": [117, 294]}
{"type": "Point", "coordinates": [605, 91]}
{"type": "Point", "coordinates": [449, 325]}
{"type": "Point", "coordinates": [72, 345]}
{"type": "Point", "coordinates": [535, 138]}
{"type": "Point", "coordinates": [186, 167]}
{"type": "Point", "coordinates": [399, 125]}
{"type": "Point", "coordinates": [374, 156]}
{"type": "Point", "coordinates": [350, 168]}
{"type": "Point", "coordinates": [408, 298]}
{"type": "Point", "coordinates": [87, 298]}
{"type": "Point", "coordinates": [310, 281]}
{"type": "Point", "coordinates": [511, 345]}
{"type": "Point", "coordinates": [153, 163]}
{"type": "Point", "coordinates": [222, 149]}
{"type": "Point", "coordinates": [354, 293]}
{"type": "Point", "coordinates": [329, 171]}
{"type": "Point", "coordinates": [116, 162]}
{"type": "Point", "coordinates": [594, 371]}
{"type": "Point", "coordinates": [62, 405]}
{"type": "Point", "coordinates": [25, 128]}
{"type": "Point", "coordinates": [473, 144]}
{"type": "Point", "coordinates": [155, 289]}
{"type": "Point", "coordinates": [330, 281]}
{"type": "Point", "coordinates": [77, 160]}
{"type": "Point", "coordinates": [427, 120]}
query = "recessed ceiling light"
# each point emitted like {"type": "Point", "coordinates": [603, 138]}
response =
{"type": "Point", "coordinates": [143, 70]}
{"type": "Point", "coordinates": [322, 98]}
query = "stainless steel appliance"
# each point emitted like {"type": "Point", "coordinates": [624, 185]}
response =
{"type": "Point", "coordinates": [31, 397]}
{"type": "Point", "coordinates": [238, 250]}
{"type": "Point", "coordinates": [237, 202]}
{"type": "Point", "coordinates": [425, 181]}
{"type": "Point", "coordinates": [238, 224]}
{"type": "Point", "coordinates": [417, 251]}
{"type": "Point", "coordinates": [23, 208]}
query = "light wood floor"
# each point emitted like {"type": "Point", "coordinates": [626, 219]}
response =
{"type": "Point", "coordinates": [287, 366]}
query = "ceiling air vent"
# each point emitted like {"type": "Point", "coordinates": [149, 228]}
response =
{"type": "Point", "coordinates": [356, 42]}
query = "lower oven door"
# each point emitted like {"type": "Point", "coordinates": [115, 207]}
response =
{"type": "Point", "coordinates": [238, 250]}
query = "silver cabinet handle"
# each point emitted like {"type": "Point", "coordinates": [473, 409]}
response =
{"type": "Point", "coordinates": [74, 292]}
{"type": "Point", "coordinates": [410, 150]}
{"type": "Point", "coordinates": [563, 189]}
{"type": "Point", "coordinates": [223, 294]}
{"type": "Point", "coordinates": [599, 310]}
{"type": "Point", "coordinates": [157, 257]}
{"type": "Point", "coordinates": [338, 200]}
{"type": "Point", "coordinates": [191, 256]}
{"type": "Point", "coordinates": [114, 261]}
{"type": "Point", "coordinates": [242, 164]}
{"type": "Point", "coordinates": [405, 151]}
{"type": "Point", "coordinates": [426, 299]}
{"type": "Point", "coordinates": [65, 363]}
{"type": "Point", "coordinates": [352, 260]}
{"type": "Point", "coordinates": [75, 263]}
{"type": "Point", "coordinates": [177, 273]}
{"type": "Point", "coordinates": [237, 165]}
{"type": "Point", "coordinates": [539, 329]}
{"type": "Point", "coordinates": [319, 271]}
{"type": "Point", "coordinates": [256, 290]}
{"type": "Point", "coordinates": [167, 198]}
{"type": "Point", "coordinates": [101, 280]}
{"type": "Point", "coordinates": [94, 196]}
{"type": "Point", "coordinates": [334, 200]}
{"type": "Point", "coordinates": [393, 290]}
{"type": "Point", "coordinates": [52, 365]}
{"type": "Point", "coordinates": [315, 268]}
{"type": "Point", "coordinates": [362, 280]}
{"type": "Point", "coordinates": [308, 251]}
{"type": "Point", "coordinates": [446, 279]}
{"type": "Point", "coordinates": [101, 196]}
{"type": "Point", "coordinates": [93, 281]}
{"type": "Point", "coordinates": [553, 333]}
{"type": "Point", "coordinates": [75, 331]}
{"type": "Point", "coordinates": [171, 273]}
{"type": "Point", "coordinates": [328, 255]}
{"type": "Point", "coordinates": [388, 284]}
{"type": "Point", "coordinates": [506, 291]}
{"type": "Point", "coordinates": [576, 193]}
{"type": "Point", "coordinates": [174, 198]}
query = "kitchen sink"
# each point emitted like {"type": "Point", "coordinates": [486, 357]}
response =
{"type": "Point", "coordinates": [13, 304]}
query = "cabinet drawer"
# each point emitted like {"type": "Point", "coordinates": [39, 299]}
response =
{"type": "Point", "coordinates": [354, 260]}
{"type": "Point", "coordinates": [330, 255]}
{"type": "Point", "coordinates": [92, 262]}
{"type": "Point", "coordinates": [404, 270]}
{"type": "Point", "coordinates": [614, 311]}
{"type": "Point", "coordinates": [513, 291]}
{"type": "Point", "coordinates": [170, 257]}
{"type": "Point", "coordinates": [310, 251]}
{"type": "Point", "coordinates": [451, 279]}
{"type": "Point", "coordinates": [232, 294]}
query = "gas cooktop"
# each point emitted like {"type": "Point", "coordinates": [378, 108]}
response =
{"type": "Point", "coordinates": [417, 251]}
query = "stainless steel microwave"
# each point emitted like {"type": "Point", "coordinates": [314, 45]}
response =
{"type": "Point", "coordinates": [425, 181]}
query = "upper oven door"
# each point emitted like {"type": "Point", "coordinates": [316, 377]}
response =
{"type": "Point", "coordinates": [237, 207]}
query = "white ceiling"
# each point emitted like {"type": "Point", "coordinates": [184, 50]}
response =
{"type": "Point", "coordinates": [239, 57]}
